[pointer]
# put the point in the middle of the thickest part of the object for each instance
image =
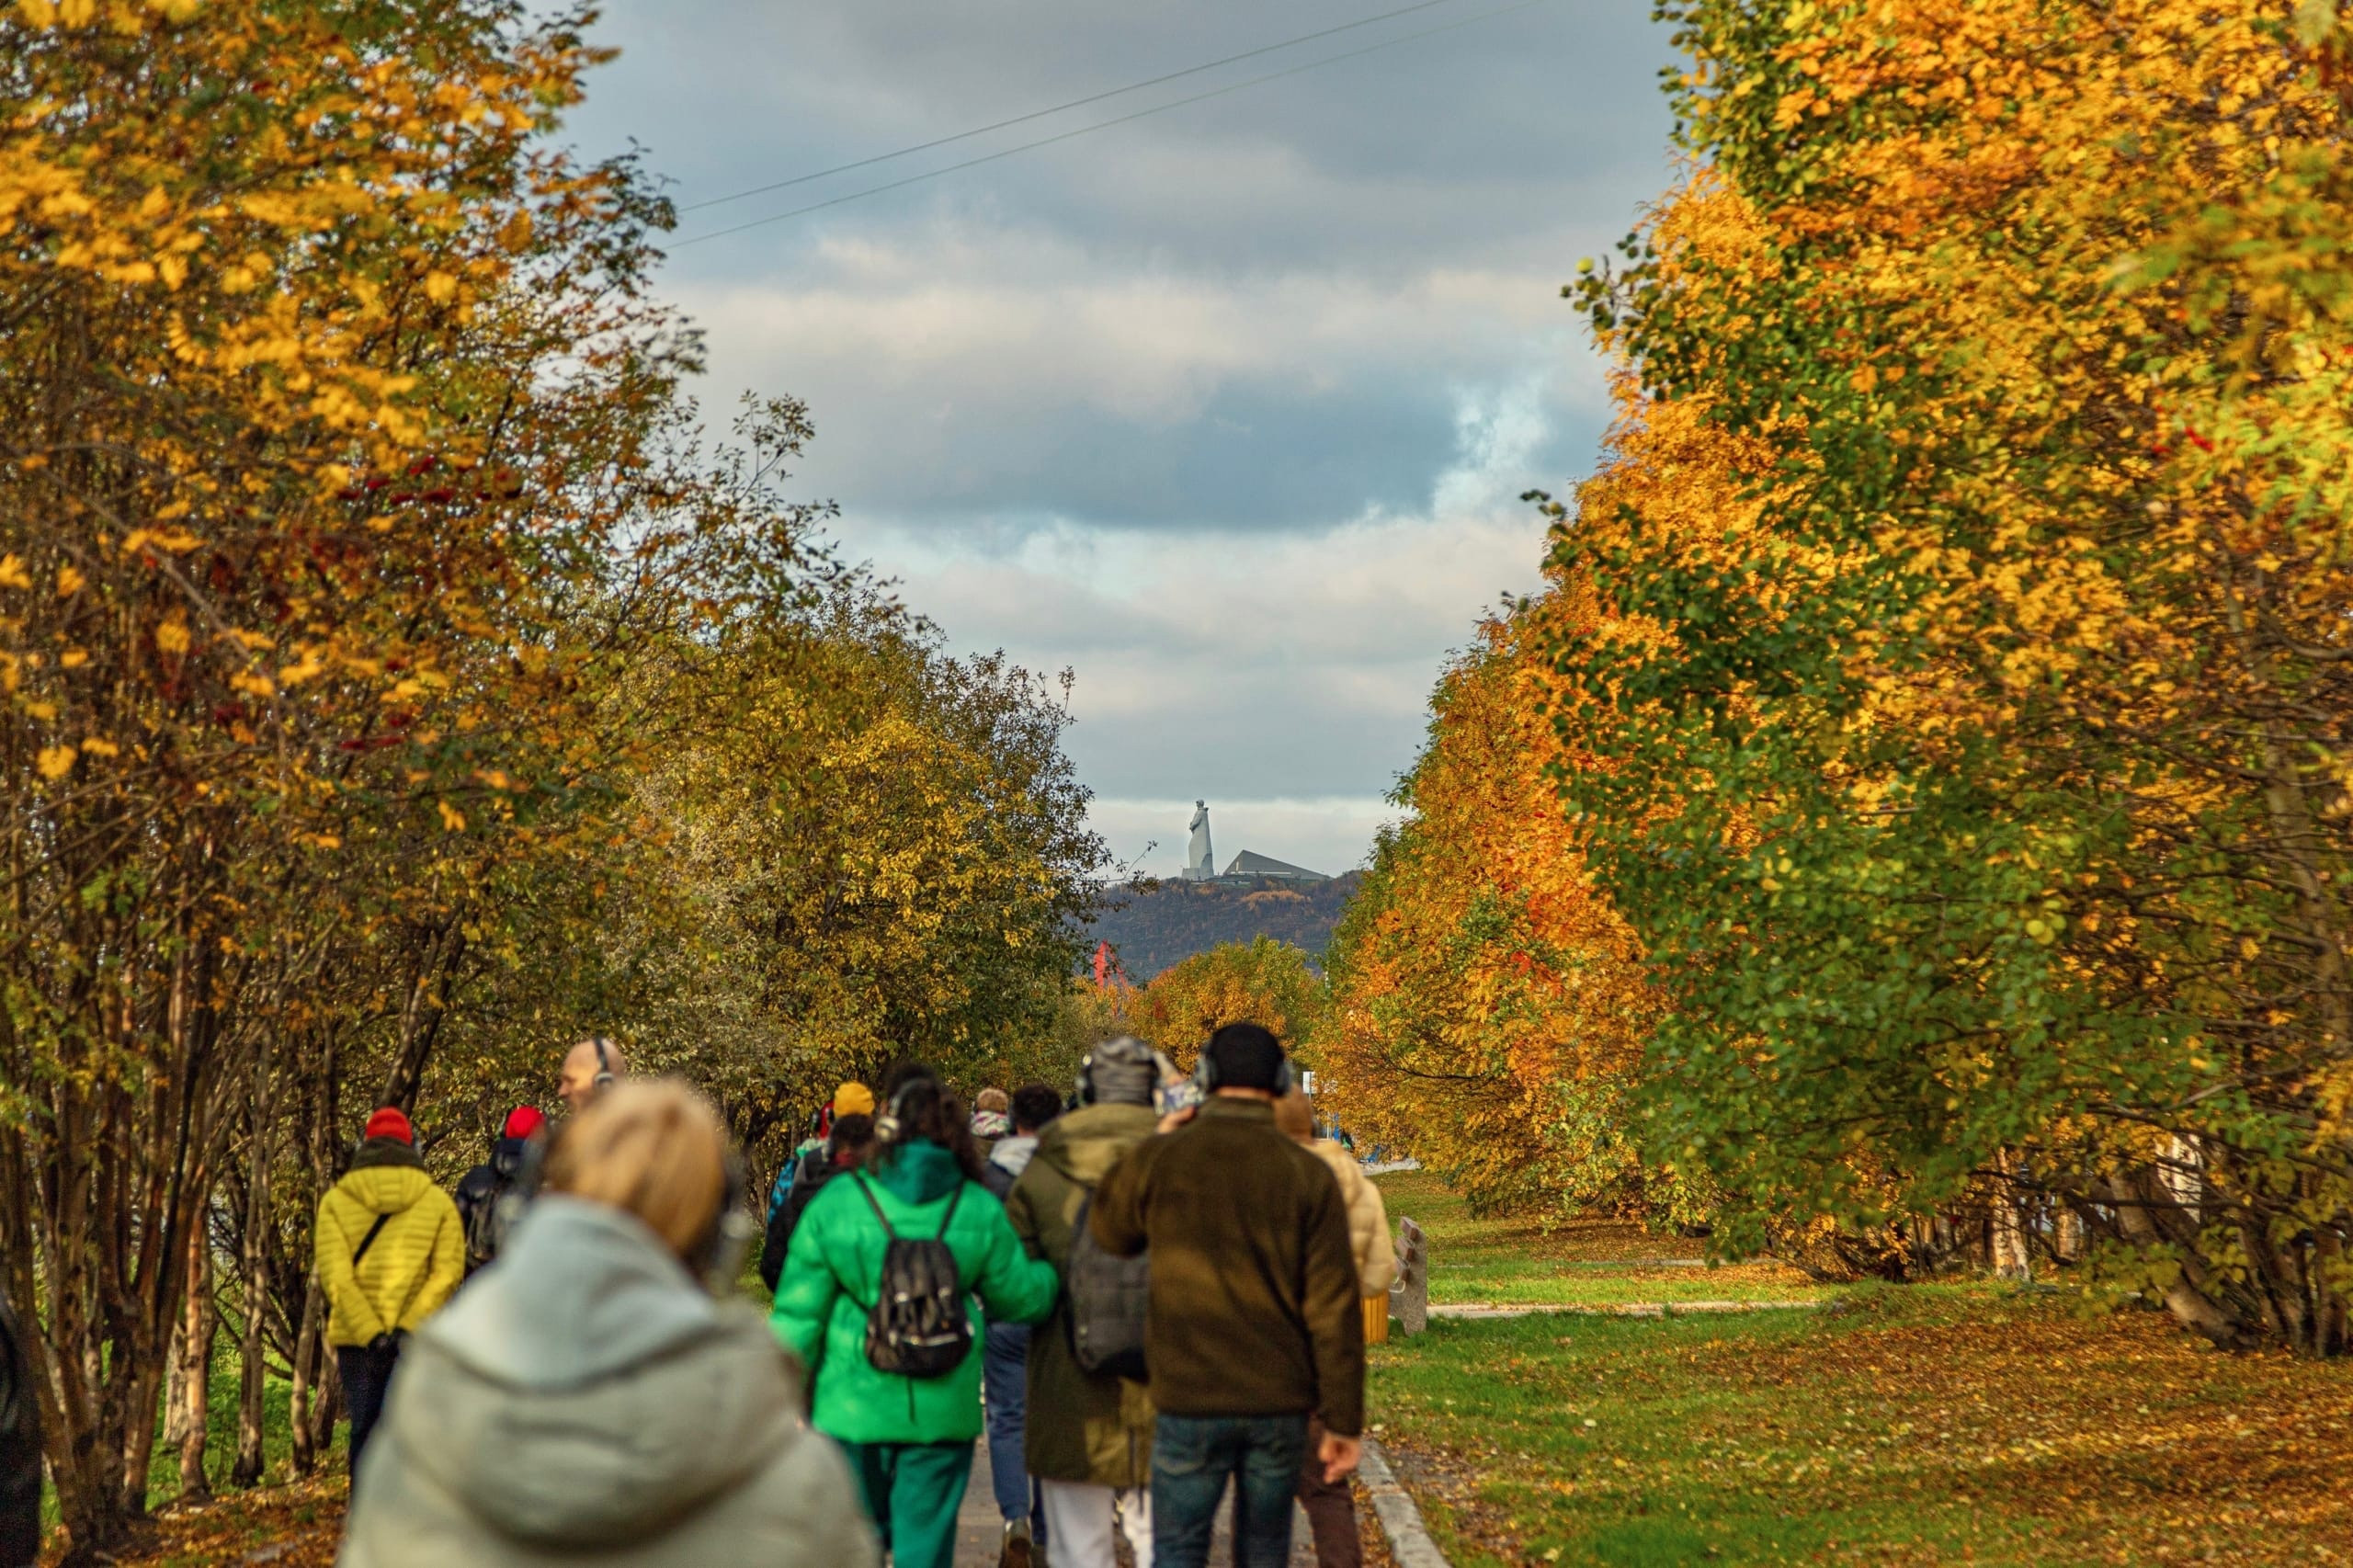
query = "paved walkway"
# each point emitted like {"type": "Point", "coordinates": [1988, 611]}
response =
{"type": "Point", "coordinates": [979, 1531]}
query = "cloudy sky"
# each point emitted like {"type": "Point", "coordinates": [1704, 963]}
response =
{"type": "Point", "coordinates": [1228, 408]}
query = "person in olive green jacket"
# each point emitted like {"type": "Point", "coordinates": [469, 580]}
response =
{"type": "Point", "coordinates": [1088, 1437]}
{"type": "Point", "coordinates": [909, 1439]}
{"type": "Point", "coordinates": [388, 1249]}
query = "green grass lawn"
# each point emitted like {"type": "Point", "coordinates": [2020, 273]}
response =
{"type": "Point", "coordinates": [1914, 1425]}
{"type": "Point", "coordinates": [1580, 1262]}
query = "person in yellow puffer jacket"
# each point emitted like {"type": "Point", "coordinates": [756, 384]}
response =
{"type": "Point", "coordinates": [388, 1250]}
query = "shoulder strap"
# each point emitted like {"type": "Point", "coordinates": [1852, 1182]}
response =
{"type": "Point", "coordinates": [370, 1239]}
{"type": "Point", "coordinates": [859, 1178]}
{"type": "Point", "coordinates": [945, 1220]}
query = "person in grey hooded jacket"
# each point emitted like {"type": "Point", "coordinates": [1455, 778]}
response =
{"type": "Point", "coordinates": [586, 1397]}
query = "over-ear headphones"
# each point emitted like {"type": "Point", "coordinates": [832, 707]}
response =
{"type": "Point", "coordinates": [1205, 1073]}
{"type": "Point", "coordinates": [886, 1126]}
{"type": "Point", "coordinates": [604, 1078]}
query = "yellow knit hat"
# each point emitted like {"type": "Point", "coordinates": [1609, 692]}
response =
{"type": "Point", "coordinates": [853, 1099]}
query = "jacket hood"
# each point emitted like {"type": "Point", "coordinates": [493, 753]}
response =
{"type": "Point", "coordinates": [384, 1189]}
{"type": "Point", "coordinates": [917, 1172]}
{"type": "Point", "coordinates": [1012, 1155]}
{"type": "Point", "coordinates": [584, 1390]}
{"type": "Point", "coordinates": [373, 1152]}
{"type": "Point", "coordinates": [1085, 1144]}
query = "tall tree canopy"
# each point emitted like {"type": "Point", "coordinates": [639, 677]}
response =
{"type": "Point", "coordinates": [1968, 704]}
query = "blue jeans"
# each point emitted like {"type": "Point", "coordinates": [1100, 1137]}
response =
{"type": "Point", "coordinates": [1193, 1456]}
{"type": "Point", "coordinates": [1004, 1381]}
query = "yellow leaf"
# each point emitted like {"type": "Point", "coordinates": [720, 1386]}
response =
{"type": "Point", "coordinates": [451, 817]}
{"type": "Point", "coordinates": [172, 636]}
{"type": "Point", "coordinates": [101, 748]}
{"type": "Point", "coordinates": [55, 762]}
{"type": "Point", "coordinates": [440, 286]}
{"type": "Point", "coordinates": [69, 582]}
{"type": "Point", "coordinates": [12, 574]}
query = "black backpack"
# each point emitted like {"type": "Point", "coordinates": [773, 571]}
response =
{"type": "Point", "coordinates": [809, 1173]}
{"type": "Point", "coordinates": [917, 1326]}
{"type": "Point", "coordinates": [490, 1208]}
{"type": "Point", "coordinates": [1108, 1298]}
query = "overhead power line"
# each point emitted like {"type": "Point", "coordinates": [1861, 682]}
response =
{"type": "Point", "coordinates": [1105, 125]}
{"type": "Point", "coordinates": [1058, 108]}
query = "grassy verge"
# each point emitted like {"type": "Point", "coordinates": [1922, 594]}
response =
{"type": "Point", "coordinates": [1920, 1425]}
{"type": "Point", "coordinates": [1581, 1262]}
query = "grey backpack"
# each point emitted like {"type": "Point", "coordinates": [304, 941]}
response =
{"type": "Point", "coordinates": [1108, 1298]}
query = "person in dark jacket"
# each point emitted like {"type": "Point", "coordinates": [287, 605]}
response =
{"type": "Point", "coordinates": [20, 1451]}
{"type": "Point", "coordinates": [1237, 1371]}
{"type": "Point", "coordinates": [1005, 1351]}
{"type": "Point", "coordinates": [847, 1148]}
{"type": "Point", "coordinates": [482, 1189]}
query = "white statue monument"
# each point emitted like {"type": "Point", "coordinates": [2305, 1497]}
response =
{"type": "Point", "coordinates": [1199, 864]}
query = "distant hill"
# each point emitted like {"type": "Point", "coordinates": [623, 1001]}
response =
{"type": "Point", "coordinates": [1160, 923]}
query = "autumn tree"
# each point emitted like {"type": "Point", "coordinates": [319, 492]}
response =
{"type": "Point", "coordinates": [889, 849]}
{"type": "Point", "coordinates": [1489, 1013]}
{"type": "Point", "coordinates": [1971, 766]}
{"type": "Point", "coordinates": [343, 476]}
{"type": "Point", "coordinates": [1265, 982]}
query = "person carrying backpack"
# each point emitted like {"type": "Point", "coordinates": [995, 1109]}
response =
{"type": "Point", "coordinates": [852, 1098]}
{"type": "Point", "coordinates": [483, 1190]}
{"type": "Point", "coordinates": [847, 1148]}
{"type": "Point", "coordinates": [874, 1300]}
{"type": "Point", "coordinates": [388, 1250]}
{"type": "Point", "coordinates": [1089, 1432]}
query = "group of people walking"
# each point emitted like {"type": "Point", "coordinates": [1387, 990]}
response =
{"type": "Point", "coordinates": [1146, 1294]}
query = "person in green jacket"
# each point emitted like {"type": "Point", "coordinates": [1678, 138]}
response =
{"type": "Point", "coordinates": [909, 1439]}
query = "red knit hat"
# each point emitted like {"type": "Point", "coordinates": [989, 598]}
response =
{"type": "Point", "coordinates": [390, 1123]}
{"type": "Point", "coordinates": [523, 1121]}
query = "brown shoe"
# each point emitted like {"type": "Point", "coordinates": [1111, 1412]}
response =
{"type": "Point", "coordinates": [1017, 1551]}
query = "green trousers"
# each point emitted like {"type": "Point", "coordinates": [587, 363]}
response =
{"type": "Point", "coordinates": [913, 1491]}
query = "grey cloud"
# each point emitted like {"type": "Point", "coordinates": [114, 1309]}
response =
{"type": "Point", "coordinates": [1230, 407]}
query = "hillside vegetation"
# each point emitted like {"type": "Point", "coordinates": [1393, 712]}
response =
{"type": "Point", "coordinates": [1154, 925]}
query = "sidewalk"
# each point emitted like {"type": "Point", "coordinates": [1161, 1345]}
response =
{"type": "Point", "coordinates": [979, 1531]}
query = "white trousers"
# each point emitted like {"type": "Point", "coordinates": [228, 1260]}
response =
{"type": "Point", "coordinates": [1078, 1523]}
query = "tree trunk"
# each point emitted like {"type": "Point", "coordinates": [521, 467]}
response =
{"type": "Point", "coordinates": [200, 1327]}
{"type": "Point", "coordinates": [2067, 1235]}
{"type": "Point", "coordinates": [254, 1342]}
{"type": "Point", "coordinates": [311, 1387]}
{"type": "Point", "coordinates": [2011, 1259]}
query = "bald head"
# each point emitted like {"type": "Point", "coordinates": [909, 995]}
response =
{"type": "Point", "coordinates": [582, 1066]}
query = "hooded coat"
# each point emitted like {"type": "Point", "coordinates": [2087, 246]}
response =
{"type": "Point", "coordinates": [586, 1399]}
{"type": "Point", "coordinates": [1090, 1427]}
{"type": "Point", "coordinates": [834, 1270]}
{"type": "Point", "coordinates": [414, 1265]}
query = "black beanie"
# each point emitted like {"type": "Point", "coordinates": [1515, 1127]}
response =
{"type": "Point", "coordinates": [1244, 1056]}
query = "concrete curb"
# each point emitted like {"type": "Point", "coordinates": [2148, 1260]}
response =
{"type": "Point", "coordinates": [1401, 1519]}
